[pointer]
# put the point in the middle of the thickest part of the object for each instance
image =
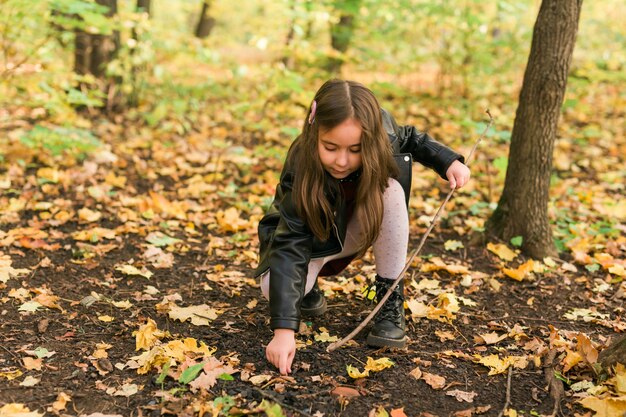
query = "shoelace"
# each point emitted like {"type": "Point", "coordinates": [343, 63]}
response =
{"type": "Point", "coordinates": [391, 309]}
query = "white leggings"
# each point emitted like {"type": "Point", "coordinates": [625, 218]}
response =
{"type": "Point", "coordinates": [389, 248]}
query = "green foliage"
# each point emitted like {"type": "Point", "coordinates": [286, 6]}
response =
{"type": "Point", "coordinates": [190, 373]}
{"type": "Point", "coordinates": [60, 141]}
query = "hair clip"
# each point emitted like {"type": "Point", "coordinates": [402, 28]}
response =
{"type": "Point", "coordinates": [312, 114]}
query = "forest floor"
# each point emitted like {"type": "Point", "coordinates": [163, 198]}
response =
{"type": "Point", "coordinates": [127, 288]}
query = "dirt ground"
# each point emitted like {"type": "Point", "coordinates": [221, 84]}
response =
{"type": "Point", "coordinates": [73, 355]}
{"type": "Point", "coordinates": [242, 331]}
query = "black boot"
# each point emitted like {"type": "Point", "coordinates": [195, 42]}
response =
{"type": "Point", "coordinates": [389, 325]}
{"type": "Point", "coordinates": [313, 303]}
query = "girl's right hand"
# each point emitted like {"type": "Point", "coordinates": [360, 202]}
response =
{"type": "Point", "coordinates": [281, 350]}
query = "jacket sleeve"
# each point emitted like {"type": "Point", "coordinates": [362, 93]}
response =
{"type": "Point", "coordinates": [426, 150]}
{"type": "Point", "coordinates": [289, 259]}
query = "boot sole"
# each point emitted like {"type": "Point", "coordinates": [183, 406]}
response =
{"type": "Point", "coordinates": [313, 312]}
{"type": "Point", "coordinates": [378, 341]}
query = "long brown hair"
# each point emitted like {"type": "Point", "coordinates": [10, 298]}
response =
{"type": "Point", "coordinates": [337, 101]}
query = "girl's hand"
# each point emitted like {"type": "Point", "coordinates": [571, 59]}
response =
{"type": "Point", "coordinates": [281, 350]}
{"type": "Point", "coordinates": [458, 174]}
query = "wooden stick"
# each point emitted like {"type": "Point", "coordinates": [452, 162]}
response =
{"type": "Point", "coordinates": [393, 286]}
{"type": "Point", "coordinates": [508, 392]}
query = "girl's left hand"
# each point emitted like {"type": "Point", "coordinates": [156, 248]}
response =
{"type": "Point", "coordinates": [458, 174]}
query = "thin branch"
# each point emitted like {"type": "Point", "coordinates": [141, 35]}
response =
{"type": "Point", "coordinates": [508, 392]}
{"type": "Point", "coordinates": [393, 286]}
{"type": "Point", "coordinates": [282, 404]}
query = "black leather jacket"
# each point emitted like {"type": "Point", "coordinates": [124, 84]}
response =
{"type": "Point", "coordinates": [287, 244]}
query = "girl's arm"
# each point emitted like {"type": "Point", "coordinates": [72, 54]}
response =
{"type": "Point", "coordinates": [428, 151]}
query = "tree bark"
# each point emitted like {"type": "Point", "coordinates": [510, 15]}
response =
{"type": "Point", "coordinates": [144, 5]}
{"type": "Point", "coordinates": [614, 354]}
{"type": "Point", "coordinates": [82, 52]}
{"type": "Point", "coordinates": [104, 47]}
{"type": "Point", "coordinates": [341, 33]}
{"type": "Point", "coordinates": [523, 206]}
{"type": "Point", "coordinates": [206, 22]}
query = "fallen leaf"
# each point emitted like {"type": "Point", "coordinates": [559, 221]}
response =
{"type": "Point", "coordinates": [606, 407]}
{"type": "Point", "coordinates": [32, 364]}
{"type": "Point", "coordinates": [61, 402]}
{"type": "Point", "coordinates": [416, 373]}
{"type": "Point", "coordinates": [17, 410]}
{"type": "Point", "coordinates": [489, 338]}
{"type": "Point", "coordinates": [200, 315]}
{"type": "Point", "coordinates": [29, 381]}
{"type": "Point", "coordinates": [462, 395]}
{"type": "Point", "coordinates": [354, 373]}
{"type": "Point", "coordinates": [259, 379]}
{"type": "Point", "coordinates": [132, 270]}
{"type": "Point", "coordinates": [520, 272]}
{"type": "Point", "coordinates": [346, 392]}
{"type": "Point", "coordinates": [147, 335]}
{"type": "Point", "coordinates": [435, 381]}
{"type": "Point", "coordinates": [502, 251]}
{"type": "Point", "coordinates": [398, 412]}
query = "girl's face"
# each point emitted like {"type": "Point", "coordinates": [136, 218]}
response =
{"type": "Point", "coordinates": [340, 148]}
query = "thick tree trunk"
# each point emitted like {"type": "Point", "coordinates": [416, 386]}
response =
{"type": "Point", "coordinates": [144, 6]}
{"type": "Point", "coordinates": [82, 52]}
{"type": "Point", "coordinates": [206, 22]}
{"type": "Point", "coordinates": [341, 33]}
{"type": "Point", "coordinates": [523, 206]}
{"type": "Point", "coordinates": [103, 47]}
{"type": "Point", "coordinates": [614, 354]}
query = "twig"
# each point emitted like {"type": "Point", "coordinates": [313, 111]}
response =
{"type": "Point", "coordinates": [393, 286]}
{"type": "Point", "coordinates": [282, 404]}
{"type": "Point", "coordinates": [554, 385]}
{"type": "Point", "coordinates": [508, 392]}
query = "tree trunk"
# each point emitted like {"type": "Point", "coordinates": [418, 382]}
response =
{"type": "Point", "coordinates": [206, 22]}
{"type": "Point", "coordinates": [82, 52]}
{"type": "Point", "coordinates": [341, 33]}
{"type": "Point", "coordinates": [144, 6]}
{"type": "Point", "coordinates": [104, 47]}
{"type": "Point", "coordinates": [523, 206]}
{"type": "Point", "coordinates": [614, 354]}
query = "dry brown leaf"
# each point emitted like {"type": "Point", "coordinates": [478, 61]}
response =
{"type": "Point", "coordinates": [435, 381]}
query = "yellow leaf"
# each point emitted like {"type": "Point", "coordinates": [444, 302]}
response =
{"type": "Point", "coordinates": [106, 319]}
{"type": "Point", "coordinates": [502, 251]}
{"type": "Point", "coordinates": [48, 174]}
{"type": "Point", "coordinates": [11, 374]}
{"type": "Point", "coordinates": [570, 360]}
{"type": "Point", "coordinates": [230, 220]}
{"type": "Point", "coordinates": [490, 338]}
{"type": "Point", "coordinates": [452, 245]}
{"type": "Point", "coordinates": [619, 380]}
{"type": "Point", "coordinates": [200, 315]}
{"type": "Point", "coordinates": [436, 264]}
{"type": "Point", "coordinates": [132, 270]}
{"type": "Point", "coordinates": [519, 273]}
{"type": "Point", "coordinates": [447, 305]}
{"type": "Point", "coordinates": [17, 410]}
{"type": "Point", "coordinates": [324, 336]}
{"type": "Point", "coordinates": [147, 335]}
{"type": "Point", "coordinates": [94, 235]}
{"type": "Point", "coordinates": [89, 216]}
{"type": "Point", "coordinates": [61, 402]}
{"type": "Point", "coordinates": [417, 308]}
{"type": "Point", "coordinates": [355, 373]}
{"type": "Point", "coordinates": [122, 304]}
{"type": "Point", "coordinates": [378, 364]}
{"type": "Point", "coordinates": [499, 366]}
{"type": "Point", "coordinates": [606, 407]}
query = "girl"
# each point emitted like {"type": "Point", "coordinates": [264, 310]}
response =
{"type": "Point", "coordinates": [340, 192]}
